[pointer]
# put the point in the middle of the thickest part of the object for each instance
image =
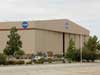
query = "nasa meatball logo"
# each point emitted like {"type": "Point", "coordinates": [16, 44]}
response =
{"type": "Point", "coordinates": [66, 25]}
{"type": "Point", "coordinates": [24, 24]}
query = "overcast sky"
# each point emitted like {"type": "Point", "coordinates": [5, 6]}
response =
{"type": "Point", "coordinates": [83, 12]}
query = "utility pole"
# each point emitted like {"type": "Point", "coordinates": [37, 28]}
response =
{"type": "Point", "coordinates": [81, 45]}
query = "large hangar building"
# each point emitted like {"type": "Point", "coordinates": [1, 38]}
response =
{"type": "Point", "coordinates": [45, 35]}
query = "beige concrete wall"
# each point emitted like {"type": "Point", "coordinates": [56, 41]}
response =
{"type": "Point", "coordinates": [67, 38]}
{"type": "Point", "coordinates": [53, 41]}
{"type": "Point", "coordinates": [48, 41]}
{"type": "Point", "coordinates": [75, 38]}
{"type": "Point", "coordinates": [79, 40]}
{"type": "Point", "coordinates": [42, 41]}
{"type": "Point", "coordinates": [3, 40]}
{"type": "Point", "coordinates": [28, 40]}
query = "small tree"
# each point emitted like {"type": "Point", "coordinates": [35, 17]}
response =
{"type": "Point", "coordinates": [70, 54]}
{"type": "Point", "coordinates": [90, 48]}
{"type": "Point", "coordinates": [14, 43]}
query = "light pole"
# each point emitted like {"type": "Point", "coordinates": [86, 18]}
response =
{"type": "Point", "coordinates": [81, 45]}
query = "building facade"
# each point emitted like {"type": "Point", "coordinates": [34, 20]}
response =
{"type": "Point", "coordinates": [45, 35]}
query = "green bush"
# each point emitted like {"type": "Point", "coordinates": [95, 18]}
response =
{"type": "Point", "coordinates": [77, 55]}
{"type": "Point", "coordinates": [11, 62]}
{"type": "Point", "coordinates": [70, 55]}
{"type": "Point", "coordinates": [40, 61]}
{"type": "Point", "coordinates": [20, 62]}
{"type": "Point", "coordinates": [19, 53]}
{"type": "Point", "coordinates": [41, 54]}
{"type": "Point", "coordinates": [98, 56]}
{"type": "Point", "coordinates": [58, 59]}
{"type": "Point", "coordinates": [50, 60]}
{"type": "Point", "coordinates": [58, 55]}
{"type": "Point", "coordinates": [3, 59]}
{"type": "Point", "coordinates": [89, 55]}
{"type": "Point", "coordinates": [30, 62]}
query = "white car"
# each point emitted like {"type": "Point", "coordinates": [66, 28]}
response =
{"type": "Point", "coordinates": [36, 58]}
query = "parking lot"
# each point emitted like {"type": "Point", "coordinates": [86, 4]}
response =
{"type": "Point", "coordinates": [52, 69]}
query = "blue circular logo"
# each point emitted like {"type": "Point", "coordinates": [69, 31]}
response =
{"type": "Point", "coordinates": [66, 25]}
{"type": "Point", "coordinates": [24, 24]}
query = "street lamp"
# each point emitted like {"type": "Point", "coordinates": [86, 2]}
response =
{"type": "Point", "coordinates": [81, 45]}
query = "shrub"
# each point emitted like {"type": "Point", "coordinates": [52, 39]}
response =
{"type": "Point", "coordinates": [3, 59]}
{"type": "Point", "coordinates": [58, 55]}
{"type": "Point", "coordinates": [50, 60]}
{"type": "Point", "coordinates": [11, 62]}
{"type": "Point", "coordinates": [20, 62]}
{"type": "Point", "coordinates": [58, 59]}
{"type": "Point", "coordinates": [19, 53]}
{"type": "Point", "coordinates": [40, 61]}
{"type": "Point", "coordinates": [98, 56]}
{"type": "Point", "coordinates": [89, 55]}
{"type": "Point", "coordinates": [70, 55]}
{"type": "Point", "coordinates": [41, 54]}
{"type": "Point", "coordinates": [30, 62]}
